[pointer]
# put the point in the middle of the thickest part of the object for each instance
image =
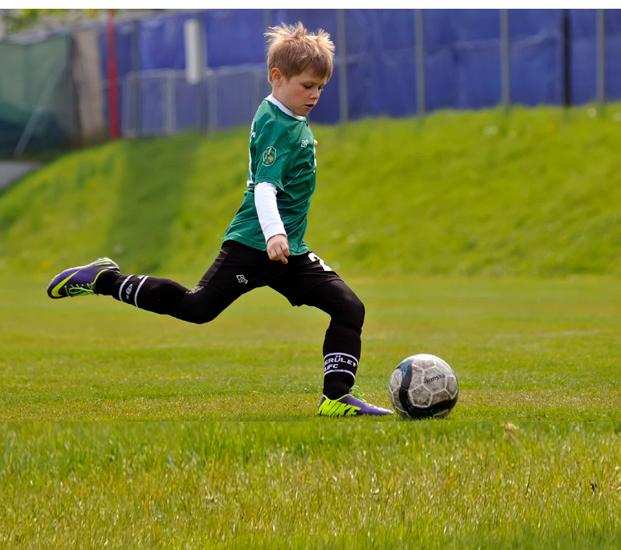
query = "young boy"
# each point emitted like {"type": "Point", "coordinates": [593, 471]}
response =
{"type": "Point", "coordinates": [263, 245]}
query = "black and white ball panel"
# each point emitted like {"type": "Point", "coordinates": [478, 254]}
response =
{"type": "Point", "coordinates": [423, 386]}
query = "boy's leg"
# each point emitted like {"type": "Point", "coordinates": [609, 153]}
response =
{"type": "Point", "coordinates": [165, 296]}
{"type": "Point", "coordinates": [216, 290]}
{"type": "Point", "coordinates": [342, 342]}
{"type": "Point", "coordinates": [341, 349]}
{"type": "Point", "coordinates": [315, 284]}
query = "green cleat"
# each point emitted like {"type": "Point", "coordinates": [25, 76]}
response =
{"type": "Point", "coordinates": [348, 405]}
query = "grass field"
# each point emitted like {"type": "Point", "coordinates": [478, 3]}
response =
{"type": "Point", "coordinates": [491, 240]}
{"type": "Point", "coordinates": [124, 429]}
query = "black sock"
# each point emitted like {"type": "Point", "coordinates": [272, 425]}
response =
{"type": "Point", "coordinates": [162, 296]}
{"type": "Point", "coordinates": [105, 282]}
{"type": "Point", "coordinates": [339, 374]}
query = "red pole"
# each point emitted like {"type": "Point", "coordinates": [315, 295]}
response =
{"type": "Point", "coordinates": [113, 92]}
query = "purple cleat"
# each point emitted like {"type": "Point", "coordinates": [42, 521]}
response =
{"type": "Point", "coordinates": [348, 405]}
{"type": "Point", "coordinates": [80, 280]}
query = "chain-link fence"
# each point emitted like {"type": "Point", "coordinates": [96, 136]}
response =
{"type": "Point", "coordinates": [159, 102]}
{"type": "Point", "coordinates": [388, 63]}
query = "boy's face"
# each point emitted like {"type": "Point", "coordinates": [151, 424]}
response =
{"type": "Point", "coordinates": [299, 93]}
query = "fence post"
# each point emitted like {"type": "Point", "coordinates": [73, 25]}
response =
{"type": "Point", "coordinates": [268, 18]}
{"type": "Point", "coordinates": [419, 46]}
{"type": "Point", "coordinates": [259, 86]}
{"type": "Point", "coordinates": [113, 92]}
{"type": "Point", "coordinates": [566, 49]}
{"type": "Point", "coordinates": [342, 47]}
{"type": "Point", "coordinates": [195, 43]}
{"type": "Point", "coordinates": [136, 96]}
{"type": "Point", "coordinates": [212, 100]}
{"type": "Point", "coordinates": [170, 122]}
{"type": "Point", "coordinates": [505, 60]}
{"type": "Point", "coordinates": [268, 21]}
{"type": "Point", "coordinates": [126, 86]}
{"type": "Point", "coordinates": [600, 31]}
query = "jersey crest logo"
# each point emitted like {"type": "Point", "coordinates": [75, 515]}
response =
{"type": "Point", "coordinates": [269, 156]}
{"type": "Point", "coordinates": [304, 144]}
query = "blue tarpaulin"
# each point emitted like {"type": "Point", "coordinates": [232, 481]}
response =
{"type": "Point", "coordinates": [462, 61]}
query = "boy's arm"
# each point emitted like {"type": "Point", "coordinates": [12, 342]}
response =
{"type": "Point", "coordinates": [271, 223]}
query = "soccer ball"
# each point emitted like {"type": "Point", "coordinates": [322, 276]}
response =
{"type": "Point", "coordinates": [423, 386]}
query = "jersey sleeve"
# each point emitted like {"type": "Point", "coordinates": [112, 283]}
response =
{"type": "Point", "coordinates": [273, 150]}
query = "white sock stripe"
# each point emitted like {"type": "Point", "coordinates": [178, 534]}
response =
{"type": "Point", "coordinates": [343, 354]}
{"type": "Point", "coordinates": [340, 370]}
{"type": "Point", "coordinates": [121, 289]}
{"type": "Point", "coordinates": [145, 277]}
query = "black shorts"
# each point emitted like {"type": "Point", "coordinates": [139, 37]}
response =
{"type": "Point", "coordinates": [240, 268]}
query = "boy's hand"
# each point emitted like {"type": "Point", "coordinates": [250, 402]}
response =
{"type": "Point", "coordinates": [278, 248]}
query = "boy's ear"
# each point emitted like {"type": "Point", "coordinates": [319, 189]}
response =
{"type": "Point", "coordinates": [275, 74]}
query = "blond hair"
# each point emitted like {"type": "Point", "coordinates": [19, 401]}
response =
{"type": "Point", "coordinates": [292, 49]}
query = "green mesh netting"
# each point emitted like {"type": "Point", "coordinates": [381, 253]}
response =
{"type": "Point", "coordinates": [36, 95]}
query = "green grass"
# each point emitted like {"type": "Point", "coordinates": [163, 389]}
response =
{"type": "Point", "coordinates": [489, 240]}
{"type": "Point", "coordinates": [142, 431]}
{"type": "Point", "coordinates": [532, 193]}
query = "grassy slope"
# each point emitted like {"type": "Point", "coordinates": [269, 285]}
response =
{"type": "Point", "coordinates": [465, 193]}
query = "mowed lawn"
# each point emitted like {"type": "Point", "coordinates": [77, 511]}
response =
{"type": "Point", "coordinates": [124, 429]}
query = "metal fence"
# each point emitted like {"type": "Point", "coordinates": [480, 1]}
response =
{"type": "Point", "coordinates": [161, 102]}
{"type": "Point", "coordinates": [435, 60]}
{"type": "Point", "coordinates": [388, 63]}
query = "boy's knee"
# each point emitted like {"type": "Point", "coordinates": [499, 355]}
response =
{"type": "Point", "coordinates": [199, 317]}
{"type": "Point", "coordinates": [350, 307]}
{"type": "Point", "coordinates": [340, 302]}
{"type": "Point", "coordinates": [199, 312]}
{"type": "Point", "coordinates": [202, 305]}
{"type": "Point", "coordinates": [356, 309]}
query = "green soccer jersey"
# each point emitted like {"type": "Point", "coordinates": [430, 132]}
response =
{"type": "Point", "coordinates": [282, 152]}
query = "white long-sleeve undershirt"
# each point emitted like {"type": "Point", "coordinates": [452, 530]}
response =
{"type": "Point", "coordinates": [267, 210]}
